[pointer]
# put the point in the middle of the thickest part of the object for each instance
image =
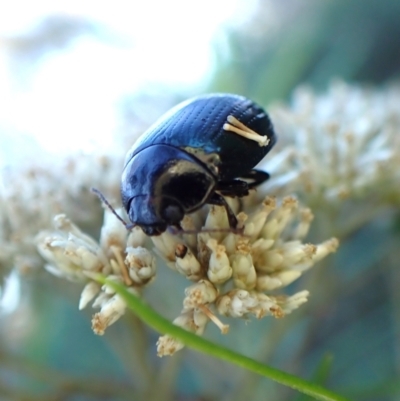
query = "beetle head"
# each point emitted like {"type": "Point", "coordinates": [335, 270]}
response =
{"type": "Point", "coordinates": [160, 184]}
{"type": "Point", "coordinates": [155, 214]}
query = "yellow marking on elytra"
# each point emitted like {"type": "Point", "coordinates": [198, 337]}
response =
{"type": "Point", "coordinates": [234, 125]}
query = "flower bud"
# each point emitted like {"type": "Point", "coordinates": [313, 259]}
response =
{"type": "Point", "coordinates": [219, 269]}
{"type": "Point", "coordinates": [90, 290]}
{"type": "Point", "coordinates": [257, 219]}
{"type": "Point", "coordinates": [186, 263]}
{"type": "Point", "coordinates": [165, 245]}
{"type": "Point", "coordinates": [141, 265]}
{"type": "Point", "coordinates": [136, 238]}
{"type": "Point", "coordinates": [198, 294]}
{"type": "Point", "coordinates": [269, 282]}
{"type": "Point", "coordinates": [243, 271]}
{"type": "Point", "coordinates": [193, 321]}
{"type": "Point", "coordinates": [217, 219]}
{"type": "Point", "coordinates": [110, 312]}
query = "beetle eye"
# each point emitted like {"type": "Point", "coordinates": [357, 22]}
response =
{"type": "Point", "coordinates": [172, 213]}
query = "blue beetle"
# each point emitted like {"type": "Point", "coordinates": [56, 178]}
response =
{"type": "Point", "coordinates": [197, 153]}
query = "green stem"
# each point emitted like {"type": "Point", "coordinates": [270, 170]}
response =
{"type": "Point", "coordinates": [160, 324]}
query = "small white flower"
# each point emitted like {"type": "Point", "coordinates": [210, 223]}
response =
{"type": "Point", "coordinates": [237, 303]}
{"type": "Point", "coordinates": [110, 312]}
{"type": "Point", "coordinates": [217, 220]}
{"type": "Point", "coordinates": [165, 245]}
{"type": "Point", "coordinates": [219, 269]}
{"type": "Point", "coordinates": [141, 264]}
{"type": "Point", "coordinates": [136, 238]}
{"type": "Point", "coordinates": [90, 290]}
{"type": "Point", "coordinates": [193, 320]}
{"type": "Point", "coordinates": [198, 294]}
{"type": "Point", "coordinates": [291, 303]}
{"type": "Point", "coordinates": [269, 282]}
{"type": "Point", "coordinates": [186, 263]}
{"type": "Point", "coordinates": [71, 251]}
{"type": "Point", "coordinates": [243, 271]}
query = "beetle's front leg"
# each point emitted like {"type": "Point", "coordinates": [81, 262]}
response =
{"type": "Point", "coordinates": [234, 188]}
{"type": "Point", "coordinates": [217, 199]}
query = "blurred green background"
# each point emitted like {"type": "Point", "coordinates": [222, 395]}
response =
{"type": "Point", "coordinates": [261, 49]}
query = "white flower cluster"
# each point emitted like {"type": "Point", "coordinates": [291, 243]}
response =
{"type": "Point", "coordinates": [233, 273]}
{"type": "Point", "coordinates": [338, 145]}
{"type": "Point", "coordinates": [31, 195]}
{"type": "Point", "coordinates": [120, 257]}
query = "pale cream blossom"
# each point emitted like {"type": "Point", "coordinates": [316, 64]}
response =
{"type": "Point", "coordinates": [193, 320]}
{"type": "Point", "coordinates": [238, 270]}
{"type": "Point", "coordinates": [73, 255]}
{"type": "Point", "coordinates": [341, 144]}
{"type": "Point", "coordinates": [32, 193]}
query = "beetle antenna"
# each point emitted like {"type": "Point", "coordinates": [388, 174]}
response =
{"type": "Point", "coordinates": [108, 204]}
{"type": "Point", "coordinates": [239, 231]}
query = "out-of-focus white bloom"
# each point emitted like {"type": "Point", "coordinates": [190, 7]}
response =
{"type": "Point", "coordinates": [71, 253]}
{"type": "Point", "coordinates": [341, 144]}
{"type": "Point", "coordinates": [31, 194]}
{"type": "Point", "coordinates": [89, 292]}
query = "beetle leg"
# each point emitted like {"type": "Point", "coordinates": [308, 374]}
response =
{"type": "Point", "coordinates": [241, 188]}
{"type": "Point", "coordinates": [233, 188]}
{"type": "Point", "coordinates": [239, 128]}
{"type": "Point", "coordinates": [217, 199]}
{"type": "Point", "coordinates": [257, 177]}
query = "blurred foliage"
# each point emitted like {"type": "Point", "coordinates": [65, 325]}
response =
{"type": "Point", "coordinates": [293, 42]}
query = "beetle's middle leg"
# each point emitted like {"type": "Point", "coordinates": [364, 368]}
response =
{"type": "Point", "coordinates": [257, 177]}
{"type": "Point", "coordinates": [240, 187]}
